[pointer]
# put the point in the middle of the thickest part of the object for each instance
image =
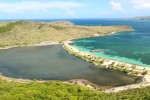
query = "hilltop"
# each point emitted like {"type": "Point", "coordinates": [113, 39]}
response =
{"type": "Point", "coordinates": [18, 33]}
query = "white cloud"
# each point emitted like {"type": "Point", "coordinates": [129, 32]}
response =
{"type": "Point", "coordinates": [116, 6]}
{"type": "Point", "coordinates": [141, 4]}
{"type": "Point", "coordinates": [33, 6]}
{"type": "Point", "coordinates": [70, 12]}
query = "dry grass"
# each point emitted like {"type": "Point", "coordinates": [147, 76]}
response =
{"type": "Point", "coordinates": [35, 32]}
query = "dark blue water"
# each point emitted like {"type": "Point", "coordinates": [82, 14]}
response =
{"type": "Point", "coordinates": [132, 47]}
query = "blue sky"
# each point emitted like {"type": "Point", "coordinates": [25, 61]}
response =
{"type": "Point", "coordinates": [49, 9]}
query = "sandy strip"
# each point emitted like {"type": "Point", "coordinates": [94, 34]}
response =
{"type": "Point", "coordinates": [145, 80]}
{"type": "Point", "coordinates": [144, 83]}
{"type": "Point", "coordinates": [44, 43]}
{"type": "Point", "coordinates": [106, 61]}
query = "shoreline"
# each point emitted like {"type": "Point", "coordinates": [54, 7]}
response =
{"type": "Point", "coordinates": [81, 82]}
{"type": "Point", "coordinates": [44, 43]}
{"type": "Point", "coordinates": [130, 69]}
{"type": "Point", "coordinates": [145, 78]}
{"type": "Point", "coordinates": [99, 35]}
{"type": "Point", "coordinates": [108, 63]}
{"type": "Point", "coordinates": [107, 59]}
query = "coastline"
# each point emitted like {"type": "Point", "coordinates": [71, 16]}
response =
{"type": "Point", "coordinates": [145, 80]}
{"type": "Point", "coordinates": [139, 67]}
{"type": "Point", "coordinates": [142, 84]}
{"type": "Point", "coordinates": [128, 68]}
{"type": "Point", "coordinates": [97, 35]}
{"type": "Point", "coordinates": [108, 63]}
{"type": "Point", "coordinates": [81, 82]}
{"type": "Point", "coordinates": [44, 43]}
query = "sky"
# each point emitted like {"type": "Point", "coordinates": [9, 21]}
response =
{"type": "Point", "coordinates": [61, 9]}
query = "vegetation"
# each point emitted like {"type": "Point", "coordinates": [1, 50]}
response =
{"type": "Point", "coordinates": [55, 90]}
{"type": "Point", "coordinates": [9, 26]}
{"type": "Point", "coordinates": [28, 32]}
{"type": "Point", "coordinates": [98, 61]}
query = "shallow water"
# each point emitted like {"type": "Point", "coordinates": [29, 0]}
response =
{"type": "Point", "coordinates": [53, 63]}
{"type": "Point", "coordinates": [132, 47]}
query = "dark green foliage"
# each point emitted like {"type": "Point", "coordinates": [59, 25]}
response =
{"type": "Point", "coordinates": [55, 90]}
{"type": "Point", "coordinates": [40, 26]}
{"type": "Point", "coordinates": [9, 26]}
{"type": "Point", "coordinates": [2, 45]}
{"type": "Point", "coordinates": [57, 27]}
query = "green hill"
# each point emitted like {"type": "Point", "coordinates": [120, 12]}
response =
{"type": "Point", "coordinates": [28, 32]}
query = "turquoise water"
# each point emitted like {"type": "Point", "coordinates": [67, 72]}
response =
{"type": "Point", "coordinates": [132, 47]}
{"type": "Point", "coordinates": [53, 63]}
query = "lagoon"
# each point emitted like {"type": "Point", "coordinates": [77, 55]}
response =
{"type": "Point", "coordinates": [53, 63]}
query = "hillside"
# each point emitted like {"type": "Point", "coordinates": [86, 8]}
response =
{"type": "Point", "coordinates": [55, 90]}
{"type": "Point", "coordinates": [28, 32]}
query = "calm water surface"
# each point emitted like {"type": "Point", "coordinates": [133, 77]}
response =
{"type": "Point", "coordinates": [53, 63]}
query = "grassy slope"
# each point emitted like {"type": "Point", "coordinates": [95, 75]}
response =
{"type": "Point", "coordinates": [27, 32]}
{"type": "Point", "coordinates": [55, 90]}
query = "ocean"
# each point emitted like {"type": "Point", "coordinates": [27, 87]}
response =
{"type": "Point", "coordinates": [131, 47]}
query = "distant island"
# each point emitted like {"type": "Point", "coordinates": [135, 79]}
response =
{"type": "Point", "coordinates": [141, 18]}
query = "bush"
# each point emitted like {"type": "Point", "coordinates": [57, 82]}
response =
{"type": "Point", "coordinates": [9, 26]}
{"type": "Point", "coordinates": [55, 90]}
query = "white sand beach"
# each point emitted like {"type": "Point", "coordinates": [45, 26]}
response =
{"type": "Point", "coordinates": [106, 62]}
